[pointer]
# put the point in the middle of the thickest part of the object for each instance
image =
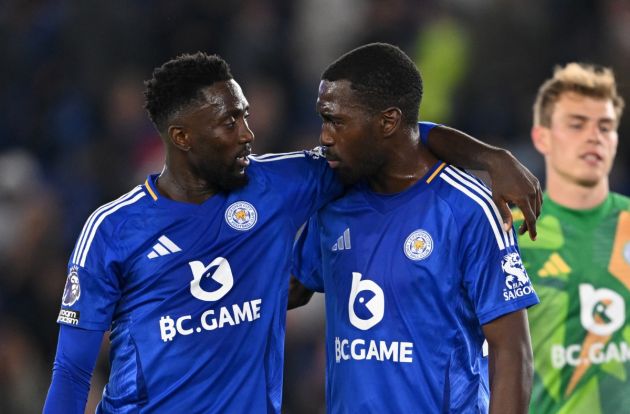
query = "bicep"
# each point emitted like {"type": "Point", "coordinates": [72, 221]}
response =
{"type": "Point", "coordinates": [510, 330]}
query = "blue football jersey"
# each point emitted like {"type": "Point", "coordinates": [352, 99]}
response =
{"type": "Point", "coordinates": [409, 280]}
{"type": "Point", "coordinates": [196, 295]}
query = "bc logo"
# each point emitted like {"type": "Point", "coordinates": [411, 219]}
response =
{"type": "Point", "coordinates": [222, 275]}
{"type": "Point", "coordinates": [370, 297]}
{"type": "Point", "coordinates": [603, 311]}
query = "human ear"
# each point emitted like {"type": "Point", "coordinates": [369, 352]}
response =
{"type": "Point", "coordinates": [391, 119]}
{"type": "Point", "coordinates": [178, 137]}
{"type": "Point", "coordinates": [541, 138]}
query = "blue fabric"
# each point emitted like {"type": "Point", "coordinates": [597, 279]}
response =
{"type": "Point", "coordinates": [409, 280]}
{"type": "Point", "coordinates": [77, 350]}
{"type": "Point", "coordinates": [196, 295]}
{"type": "Point", "coordinates": [425, 127]}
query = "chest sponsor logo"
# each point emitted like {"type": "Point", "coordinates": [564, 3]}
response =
{"type": "Point", "coordinates": [602, 311]}
{"type": "Point", "coordinates": [366, 305]}
{"type": "Point", "coordinates": [72, 289]}
{"type": "Point", "coordinates": [366, 308]}
{"type": "Point", "coordinates": [217, 274]}
{"type": "Point", "coordinates": [418, 245]}
{"type": "Point", "coordinates": [241, 216]}
{"type": "Point", "coordinates": [219, 271]}
{"type": "Point", "coordinates": [602, 314]}
{"type": "Point", "coordinates": [517, 283]}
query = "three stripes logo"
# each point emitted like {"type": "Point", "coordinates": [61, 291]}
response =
{"type": "Point", "coordinates": [343, 242]}
{"type": "Point", "coordinates": [554, 266]}
{"type": "Point", "coordinates": [163, 247]}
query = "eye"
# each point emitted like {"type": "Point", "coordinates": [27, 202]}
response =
{"type": "Point", "coordinates": [230, 122]}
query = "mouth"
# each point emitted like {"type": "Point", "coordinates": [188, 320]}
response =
{"type": "Point", "coordinates": [592, 158]}
{"type": "Point", "coordinates": [242, 159]}
{"type": "Point", "coordinates": [333, 161]}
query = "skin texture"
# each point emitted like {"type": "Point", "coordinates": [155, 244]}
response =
{"type": "Point", "coordinates": [579, 149]}
{"type": "Point", "coordinates": [377, 148]}
{"type": "Point", "coordinates": [207, 145]}
{"type": "Point", "coordinates": [510, 364]}
{"type": "Point", "coordinates": [381, 150]}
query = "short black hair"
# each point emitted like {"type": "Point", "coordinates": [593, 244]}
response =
{"type": "Point", "coordinates": [178, 83]}
{"type": "Point", "coordinates": [383, 76]}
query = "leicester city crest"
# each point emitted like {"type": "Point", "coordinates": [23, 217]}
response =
{"type": "Point", "coordinates": [72, 291]}
{"type": "Point", "coordinates": [241, 216]}
{"type": "Point", "coordinates": [418, 245]}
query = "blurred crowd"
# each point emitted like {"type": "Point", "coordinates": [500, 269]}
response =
{"type": "Point", "coordinates": [74, 134]}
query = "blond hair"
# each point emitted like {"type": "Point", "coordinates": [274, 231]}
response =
{"type": "Point", "coordinates": [589, 80]}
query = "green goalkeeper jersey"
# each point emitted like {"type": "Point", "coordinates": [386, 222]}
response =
{"type": "Point", "coordinates": [580, 268]}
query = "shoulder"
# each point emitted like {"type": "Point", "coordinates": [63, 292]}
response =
{"type": "Point", "coordinates": [620, 201]}
{"type": "Point", "coordinates": [466, 194]}
{"type": "Point", "coordinates": [274, 161]}
{"type": "Point", "coordinates": [471, 204]}
{"type": "Point", "coordinates": [104, 221]}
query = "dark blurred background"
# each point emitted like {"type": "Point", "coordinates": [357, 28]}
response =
{"type": "Point", "coordinates": [73, 132]}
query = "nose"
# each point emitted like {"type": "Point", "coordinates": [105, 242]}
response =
{"type": "Point", "coordinates": [246, 135]}
{"type": "Point", "coordinates": [325, 137]}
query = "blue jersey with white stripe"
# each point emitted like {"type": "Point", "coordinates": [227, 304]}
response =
{"type": "Point", "coordinates": [409, 280]}
{"type": "Point", "coordinates": [195, 295]}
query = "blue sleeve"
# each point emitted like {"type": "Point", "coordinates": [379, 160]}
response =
{"type": "Point", "coordinates": [77, 351]}
{"type": "Point", "coordinates": [307, 258]}
{"type": "Point", "coordinates": [425, 127]}
{"type": "Point", "coordinates": [92, 286]}
{"type": "Point", "coordinates": [494, 276]}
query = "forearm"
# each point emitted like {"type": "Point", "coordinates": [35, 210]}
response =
{"type": "Point", "coordinates": [510, 382]}
{"type": "Point", "coordinates": [460, 149]}
{"type": "Point", "coordinates": [77, 351]}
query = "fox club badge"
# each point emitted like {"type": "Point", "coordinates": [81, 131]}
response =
{"type": "Point", "coordinates": [241, 216]}
{"type": "Point", "coordinates": [418, 245]}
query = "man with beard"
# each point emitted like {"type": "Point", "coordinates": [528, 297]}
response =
{"type": "Point", "coordinates": [190, 269]}
{"type": "Point", "coordinates": [416, 267]}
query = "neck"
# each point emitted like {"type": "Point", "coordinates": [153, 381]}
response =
{"type": "Point", "coordinates": [407, 162]}
{"type": "Point", "coordinates": [183, 186]}
{"type": "Point", "coordinates": [576, 196]}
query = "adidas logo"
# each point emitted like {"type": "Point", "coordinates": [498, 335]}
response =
{"type": "Point", "coordinates": [343, 242]}
{"type": "Point", "coordinates": [555, 266]}
{"type": "Point", "coordinates": [163, 247]}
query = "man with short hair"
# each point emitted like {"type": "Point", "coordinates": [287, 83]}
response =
{"type": "Point", "coordinates": [416, 267]}
{"type": "Point", "coordinates": [580, 264]}
{"type": "Point", "coordinates": [189, 269]}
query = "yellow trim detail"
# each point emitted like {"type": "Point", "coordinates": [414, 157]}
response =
{"type": "Point", "coordinates": [436, 172]}
{"type": "Point", "coordinates": [146, 184]}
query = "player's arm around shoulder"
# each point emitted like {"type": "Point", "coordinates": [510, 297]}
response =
{"type": "Point", "coordinates": [510, 365]}
{"type": "Point", "coordinates": [511, 180]}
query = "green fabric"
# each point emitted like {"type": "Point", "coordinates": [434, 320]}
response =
{"type": "Point", "coordinates": [570, 267]}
